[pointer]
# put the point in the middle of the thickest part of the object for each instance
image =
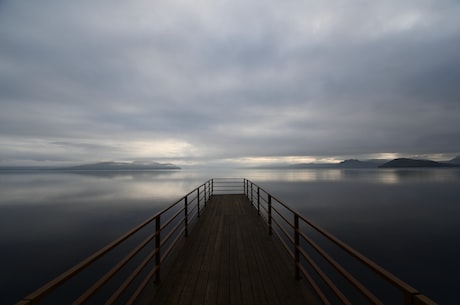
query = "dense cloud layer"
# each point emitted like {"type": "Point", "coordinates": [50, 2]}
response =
{"type": "Point", "coordinates": [191, 81]}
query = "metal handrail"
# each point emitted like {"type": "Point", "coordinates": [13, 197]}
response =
{"type": "Point", "coordinates": [297, 250]}
{"type": "Point", "coordinates": [177, 226]}
{"type": "Point", "coordinates": [228, 185]}
{"type": "Point", "coordinates": [168, 232]}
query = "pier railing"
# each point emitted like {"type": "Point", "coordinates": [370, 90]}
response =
{"type": "Point", "coordinates": [148, 244]}
{"type": "Point", "coordinates": [329, 278]}
{"type": "Point", "coordinates": [316, 254]}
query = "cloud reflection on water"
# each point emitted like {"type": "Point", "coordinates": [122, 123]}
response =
{"type": "Point", "coordinates": [385, 176]}
{"type": "Point", "coordinates": [403, 219]}
{"type": "Point", "coordinates": [87, 187]}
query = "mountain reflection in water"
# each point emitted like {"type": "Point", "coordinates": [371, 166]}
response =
{"type": "Point", "coordinates": [406, 219]}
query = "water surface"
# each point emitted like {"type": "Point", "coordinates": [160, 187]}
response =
{"type": "Point", "coordinates": [406, 220]}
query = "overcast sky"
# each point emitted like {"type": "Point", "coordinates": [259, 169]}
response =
{"type": "Point", "coordinates": [227, 81]}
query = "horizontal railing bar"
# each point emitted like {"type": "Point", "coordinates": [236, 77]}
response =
{"type": "Point", "coordinates": [395, 281]}
{"type": "Point", "coordinates": [283, 243]}
{"type": "Point", "coordinates": [116, 295]}
{"type": "Point", "coordinates": [170, 233]}
{"type": "Point", "coordinates": [194, 190]}
{"type": "Point", "coordinates": [170, 207]}
{"type": "Point", "coordinates": [350, 278]}
{"type": "Point", "coordinates": [171, 219]}
{"type": "Point", "coordinates": [264, 208]}
{"type": "Point", "coordinates": [275, 199]}
{"type": "Point", "coordinates": [173, 243]}
{"type": "Point", "coordinates": [286, 233]}
{"type": "Point", "coordinates": [44, 290]}
{"type": "Point", "coordinates": [315, 286]}
{"type": "Point", "coordinates": [192, 208]}
{"type": "Point", "coordinates": [192, 216]}
{"type": "Point", "coordinates": [96, 286]}
{"type": "Point", "coordinates": [228, 187]}
{"type": "Point", "coordinates": [229, 180]}
{"type": "Point", "coordinates": [142, 286]}
{"type": "Point", "coordinates": [283, 217]}
{"type": "Point", "coordinates": [373, 266]}
{"type": "Point", "coordinates": [324, 277]}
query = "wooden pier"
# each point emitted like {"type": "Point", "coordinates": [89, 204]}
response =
{"type": "Point", "coordinates": [227, 242]}
{"type": "Point", "coordinates": [229, 258]}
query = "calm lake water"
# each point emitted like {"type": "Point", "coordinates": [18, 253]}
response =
{"type": "Point", "coordinates": [406, 220]}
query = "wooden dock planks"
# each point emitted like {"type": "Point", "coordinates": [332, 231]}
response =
{"type": "Point", "coordinates": [228, 259]}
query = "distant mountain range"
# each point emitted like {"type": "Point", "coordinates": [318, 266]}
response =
{"type": "Point", "coordinates": [123, 166]}
{"type": "Point", "coordinates": [351, 163]}
{"type": "Point", "coordinates": [114, 166]}
{"type": "Point", "coordinates": [405, 163]}
{"type": "Point", "coordinates": [380, 163]}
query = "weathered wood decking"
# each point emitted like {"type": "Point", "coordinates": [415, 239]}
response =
{"type": "Point", "coordinates": [229, 258]}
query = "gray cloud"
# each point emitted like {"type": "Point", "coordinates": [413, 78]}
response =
{"type": "Point", "coordinates": [166, 80]}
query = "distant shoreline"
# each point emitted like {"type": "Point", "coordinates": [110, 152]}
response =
{"type": "Point", "coordinates": [376, 163]}
{"type": "Point", "coordinates": [101, 166]}
{"type": "Point", "coordinates": [153, 166]}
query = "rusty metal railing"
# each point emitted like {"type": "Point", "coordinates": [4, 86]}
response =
{"type": "Point", "coordinates": [166, 227]}
{"type": "Point", "coordinates": [331, 281]}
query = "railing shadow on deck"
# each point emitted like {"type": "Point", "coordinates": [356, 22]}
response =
{"type": "Point", "coordinates": [139, 254]}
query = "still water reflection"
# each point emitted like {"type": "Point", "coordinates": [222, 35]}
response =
{"type": "Point", "coordinates": [405, 220]}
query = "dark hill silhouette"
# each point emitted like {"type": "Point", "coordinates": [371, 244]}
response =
{"type": "Point", "coordinates": [405, 162]}
{"type": "Point", "coordinates": [352, 163]}
{"type": "Point", "coordinates": [455, 160]}
{"type": "Point", "coordinates": [123, 166]}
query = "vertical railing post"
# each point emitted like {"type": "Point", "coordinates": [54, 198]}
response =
{"type": "Point", "coordinates": [252, 195]}
{"type": "Point", "coordinates": [244, 186]}
{"type": "Point", "coordinates": [157, 248]}
{"type": "Point", "coordinates": [258, 200]}
{"type": "Point", "coordinates": [198, 199]}
{"type": "Point", "coordinates": [205, 193]}
{"type": "Point", "coordinates": [186, 215]}
{"type": "Point", "coordinates": [297, 246]}
{"type": "Point", "coordinates": [212, 186]}
{"type": "Point", "coordinates": [270, 232]}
